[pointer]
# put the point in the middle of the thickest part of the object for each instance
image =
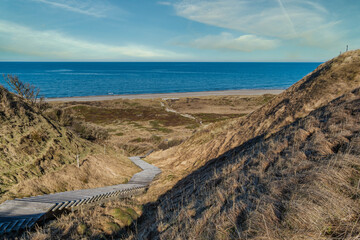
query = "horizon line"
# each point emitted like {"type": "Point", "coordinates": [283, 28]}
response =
{"type": "Point", "coordinates": [300, 61]}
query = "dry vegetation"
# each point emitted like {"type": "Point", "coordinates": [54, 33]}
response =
{"type": "Point", "coordinates": [41, 156]}
{"type": "Point", "coordinates": [38, 154]}
{"type": "Point", "coordinates": [300, 183]}
{"type": "Point", "coordinates": [111, 219]}
{"type": "Point", "coordinates": [133, 126]}
{"type": "Point", "coordinates": [138, 126]}
{"type": "Point", "coordinates": [328, 81]}
{"type": "Point", "coordinates": [289, 170]}
{"type": "Point", "coordinates": [295, 174]}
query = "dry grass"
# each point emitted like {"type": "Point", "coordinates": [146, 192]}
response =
{"type": "Point", "coordinates": [139, 125]}
{"type": "Point", "coordinates": [96, 170]}
{"type": "Point", "coordinates": [112, 219]}
{"type": "Point", "coordinates": [31, 145]}
{"type": "Point", "coordinates": [218, 104]}
{"type": "Point", "coordinates": [38, 154]}
{"type": "Point", "coordinates": [289, 170]}
{"type": "Point", "coordinates": [129, 135]}
{"type": "Point", "coordinates": [300, 183]}
{"type": "Point", "coordinates": [328, 81]}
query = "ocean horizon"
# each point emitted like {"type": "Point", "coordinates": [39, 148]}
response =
{"type": "Point", "coordinates": [76, 79]}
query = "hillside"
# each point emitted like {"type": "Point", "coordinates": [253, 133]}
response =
{"type": "Point", "coordinates": [330, 80]}
{"type": "Point", "coordinates": [299, 183]}
{"type": "Point", "coordinates": [38, 156]}
{"type": "Point", "coordinates": [289, 170]}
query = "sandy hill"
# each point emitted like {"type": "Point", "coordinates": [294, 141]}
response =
{"type": "Point", "coordinates": [38, 156]}
{"type": "Point", "coordinates": [301, 182]}
{"type": "Point", "coordinates": [330, 80]}
{"type": "Point", "coordinates": [289, 170]}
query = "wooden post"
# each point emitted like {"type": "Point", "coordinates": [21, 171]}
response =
{"type": "Point", "coordinates": [77, 156]}
{"type": "Point", "coordinates": [77, 160]}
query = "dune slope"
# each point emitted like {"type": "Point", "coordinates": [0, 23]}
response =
{"type": "Point", "coordinates": [38, 156]}
{"type": "Point", "coordinates": [299, 183]}
{"type": "Point", "coordinates": [330, 80]}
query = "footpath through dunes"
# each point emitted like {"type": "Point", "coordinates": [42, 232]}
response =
{"type": "Point", "coordinates": [330, 80]}
{"type": "Point", "coordinates": [24, 213]}
{"type": "Point", "coordinates": [302, 182]}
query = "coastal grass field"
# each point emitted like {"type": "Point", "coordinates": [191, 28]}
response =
{"type": "Point", "coordinates": [137, 126]}
{"type": "Point", "coordinates": [132, 127]}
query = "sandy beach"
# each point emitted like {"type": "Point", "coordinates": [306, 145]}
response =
{"type": "Point", "coordinates": [245, 92]}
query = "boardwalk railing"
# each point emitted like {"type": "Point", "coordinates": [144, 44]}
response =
{"type": "Point", "coordinates": [23, 213]}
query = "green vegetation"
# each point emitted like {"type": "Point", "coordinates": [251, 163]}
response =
{"type": "Point", "coordinates": [124, 215]}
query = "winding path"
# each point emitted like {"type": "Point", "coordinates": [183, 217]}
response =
{"type": "Point", "coordinates": [23, 213]}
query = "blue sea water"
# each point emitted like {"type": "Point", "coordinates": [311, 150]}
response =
{"type": "Point", "coordinates": [68, 79]}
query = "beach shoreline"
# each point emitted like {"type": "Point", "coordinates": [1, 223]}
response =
{"type": "Point", "coordinates": [243, 92]}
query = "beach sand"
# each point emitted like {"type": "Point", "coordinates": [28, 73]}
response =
{"type": "Point", "coordinates": [249, 92]}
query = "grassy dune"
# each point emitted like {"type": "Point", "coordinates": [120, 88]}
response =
{"type": "Point", "coordinates": [330, 80]}
{"type": "Point", "coordinates": [299, 183]}
{"type": "Point", "coordinates": [288, 170]}
{"type": "Point", "coordinates": [38, 154]}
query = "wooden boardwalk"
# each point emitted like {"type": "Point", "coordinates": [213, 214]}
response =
{"type": "Point", "coordinates": [23, 213]}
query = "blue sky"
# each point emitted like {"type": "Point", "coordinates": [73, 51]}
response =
{"type": "Point", "coordinates": [179, 30]}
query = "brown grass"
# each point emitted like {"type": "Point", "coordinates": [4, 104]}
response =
{"type": "Point", "coordinates": [218, 104]}
{"type": "Point", "coordinates": [328, 81]}
{"type": "Point", "coordinates": [111, 219]}
{"type": "Point", "coordinates": [139, 125]}
{"type": "Point", "coordinates": [38, 153]}
{"type": "Point", "coordinates": [300, 183]}
{"type": "Point", "coordinates": [96, 170]}
{"type": "Point", "coordinates": [289, 170]}
{"type": "Point", "coordinates": [31, 145]}
{"type": "Point", "coordinates": [133, 135]}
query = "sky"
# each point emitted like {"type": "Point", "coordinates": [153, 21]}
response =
{"type": "Point", "coordinates": [178, 30]}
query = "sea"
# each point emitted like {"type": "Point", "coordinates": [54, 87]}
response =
{"type": "Point", "coordinates": [70, 79]}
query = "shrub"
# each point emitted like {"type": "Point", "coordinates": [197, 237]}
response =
{"type": "Point", "coordinates": [64, 118]}
{"type": "Point", "coordinates": [25, 90]}
{"type": "Point", "coordinates": [89, 132]}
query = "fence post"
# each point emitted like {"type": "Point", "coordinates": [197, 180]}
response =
{"type": "Point", "coordinates": [77, 160]}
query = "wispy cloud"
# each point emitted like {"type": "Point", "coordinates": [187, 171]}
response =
{"type": "Point", "coordinates": [91, 8]}
{"type": "Point", "coordinates": [164, 3]}
{"type": "Point", "coordinates": [226, 41]}
{"type": "Point", "coordinates": [285, 19]}
{"type": "Point", "coordinates": [287, 16]}
{"type": "Point", "coordinates": [55, 45]}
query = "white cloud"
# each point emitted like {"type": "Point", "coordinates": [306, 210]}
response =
{"type": "Point", "coordinates": [164, 3]}
{"type": "Point", "coordinates": [95, 9]}
{"type": "Point", "coordinates": [226, 41]}
{"type": "Point", "coordinates": [54, 45]}
{"type": "Point", "coordinates": [305, 20]}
